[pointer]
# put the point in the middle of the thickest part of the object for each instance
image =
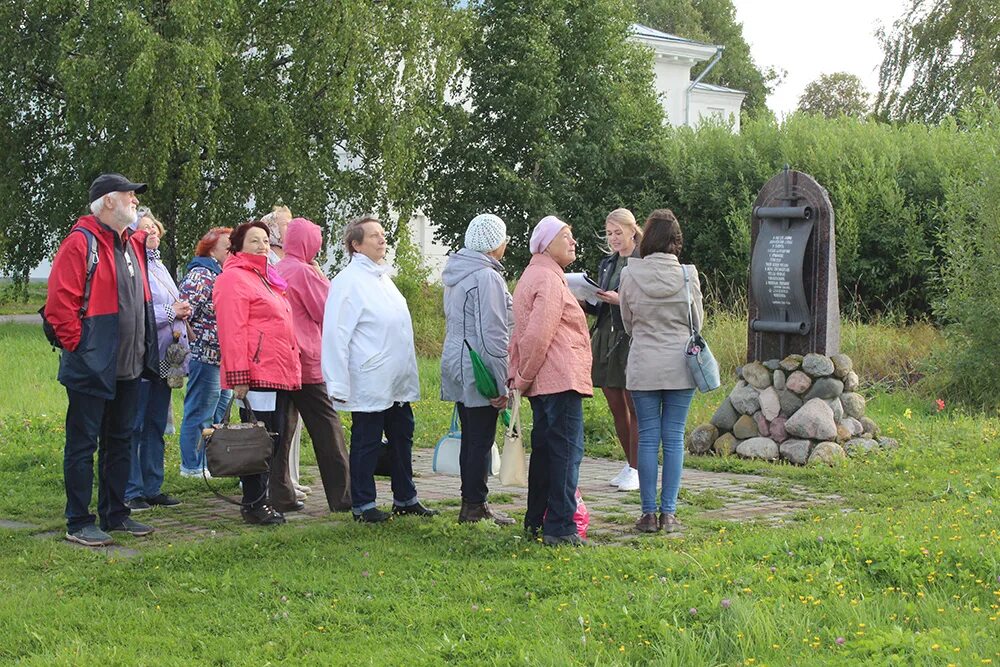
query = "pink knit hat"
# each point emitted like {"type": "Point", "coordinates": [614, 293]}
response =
{"type": "Point", "coordinates": [546, 230]}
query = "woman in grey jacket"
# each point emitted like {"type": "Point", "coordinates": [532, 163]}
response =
{"type": "Point", "coordinates": [478, 312]}
{"type": "Point", "coordinates": [655, 312]}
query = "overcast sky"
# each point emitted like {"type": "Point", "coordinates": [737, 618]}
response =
{"type": "Point", "coordinates": [807, 38]}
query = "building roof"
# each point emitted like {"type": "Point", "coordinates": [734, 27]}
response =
{"type": "Point", "coordinates": [640, 30]}
{"type": "Point", "coordinates": [712, 88]}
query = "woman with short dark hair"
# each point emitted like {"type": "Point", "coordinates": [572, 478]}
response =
{"type": "Point", "coordinates": [258, 344]}
{"type": "Point", "coordinates": [654, 293]}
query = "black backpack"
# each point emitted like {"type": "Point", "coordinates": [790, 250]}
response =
{"type": "Point", "coordinates": [92, 259]}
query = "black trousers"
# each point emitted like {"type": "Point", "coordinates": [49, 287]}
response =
{"type": "Point", "coordinates": [479, 428]}
{"type": "Point", "coordinates": [257, 489]}
{"type": "Point", "coordinates": [105, 426]}
{"type": "Point", "coordinates": [327, 434]}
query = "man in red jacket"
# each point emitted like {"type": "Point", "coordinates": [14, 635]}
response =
{"type": "Point", "coordinates": [106, 349]}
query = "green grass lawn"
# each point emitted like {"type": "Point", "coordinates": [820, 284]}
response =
{"type": "Point", "coordinates": [904, 570]}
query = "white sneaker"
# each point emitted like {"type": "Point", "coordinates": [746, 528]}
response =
{"type": "Point", "coordinates": [299, 495]}
{"type": "Point", "coordinates": [617, 479]}
{"type": "Point", "coordinates": [194, 473]}
{"type": "Point", "coordinates": [630, 481]}
{"type": "Point", "coordinates": [301, 488]}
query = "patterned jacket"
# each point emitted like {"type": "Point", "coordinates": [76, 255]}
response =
{"type": "Point", "coordinates": [196, 289]}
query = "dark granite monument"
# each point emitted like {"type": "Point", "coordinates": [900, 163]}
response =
{"type": "Point", "coordinates": [794, 307]}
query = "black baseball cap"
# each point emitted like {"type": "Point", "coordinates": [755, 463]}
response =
{"type": "Point", "coordinates": [106, 183]}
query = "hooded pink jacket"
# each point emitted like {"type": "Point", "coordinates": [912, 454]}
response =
{"type": "Point", "coordinates": [307, 291]}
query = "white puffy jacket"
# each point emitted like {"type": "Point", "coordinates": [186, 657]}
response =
{"type": "Point", "coordinates": [368, 357]}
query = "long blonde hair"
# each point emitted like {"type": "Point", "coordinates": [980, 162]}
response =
{"type": "Point", "coordinates": [624, 219]}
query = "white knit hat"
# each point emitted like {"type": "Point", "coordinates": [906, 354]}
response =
{"type": "Point", "coordinates": [486, 232]}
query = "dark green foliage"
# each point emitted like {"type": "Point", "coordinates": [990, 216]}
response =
{"type": "Point", "coordinates": [837, 94]}
{"type": "Point", "coordinates": [223, 106]}
{"type": "Point", "coordinates": [561, 119]}
{"type": "Point", "coordinates": [939, 56]}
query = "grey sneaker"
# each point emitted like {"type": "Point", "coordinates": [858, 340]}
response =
{"type": "Point", "coordinates": [670, 524]}
{"type": "Point", "coordinates": [571, 540]}
{"type": "Point", "coordinates": [138, 505]}
{"type": "Point", "coordinates": [132, 527]}
{"type": "Point", "coordinates": [90, 536]}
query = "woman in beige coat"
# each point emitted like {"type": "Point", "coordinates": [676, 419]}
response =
{"type": "Point", "coordinates": [654, 300]}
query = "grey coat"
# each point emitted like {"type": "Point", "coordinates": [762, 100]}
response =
{"type": "Point", "coordinates": [655, 313]}
{"type": "Point", "coordinates": [478, 309]}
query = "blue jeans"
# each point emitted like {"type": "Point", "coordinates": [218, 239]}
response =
{"type": "Point", "coordinates": [366, 442]}
{"type": "Point", "coordinates": [204, 404]}
{"type": "Point", "coordinates": [661, 415]}
{"type": "Point", "coordinates": [103, 426]}
{"type": "Point", "coordinates": [554, 466]}
{"type": "Point", "coordinates": [146, 474]}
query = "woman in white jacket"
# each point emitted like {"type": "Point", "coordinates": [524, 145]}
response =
{"type": "Point", "coordinates": [370, 368]}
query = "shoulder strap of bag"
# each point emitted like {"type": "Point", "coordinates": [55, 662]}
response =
{"type": "Point", "coordinates": [92, 260]}
{"type": "Point", "coordinates": [515, 413]}
{"type": "Point", "coordinates": [454, 428]}
{"type": "Point", "coordinates": [687, 292]}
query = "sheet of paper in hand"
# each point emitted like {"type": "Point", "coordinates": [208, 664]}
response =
{"type": "Point", "coordinates": [583, 288]}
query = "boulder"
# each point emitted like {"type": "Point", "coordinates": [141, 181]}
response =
{"type": "Point", "coordinates": [725, 445]}
{"type": "Point", "coordinates": [853, 425]}
{"type": "Point", "coordinates": [856, 446]}
{"type": "Point", "coordinates": [772, 364]}
{"type": "Point", "coordinates": [791, 363]}
{"type": "Point", "coordinates": [745, 427]}
{"type": "Point", "coordinates": [770, 405]}
{"type": "Point", "coordinates": [778, 379]}
{"type": "Point", "coordinates": [826, 387]}
{"type": "Point", "coordinates": [869, 427]}
{"type": "Point", "coordinates": [817, 365]}
{"type": "Point", "coordinates": [762, 424]}
{"type": "Point", "coordinates": [798, 382]}
{"type": "Point", "coordinates": [745, 399]}
{"type": "Point", "coordinates": [701, 439]}
{"type": "Point", "coordinates": [757, 375]}
{"type": "Point", "coordinates": [814, 420]}
{"type": "Point", "coordinates": [851, 382]}
{"type": "Point", "coordinates": [843, 433]}
{"type": "Point", "coordinates": [796, 451]}
{"type": "Point", "coordinates": [758, 448]}
{"type": "Point", "coordinates": [854, 404]}
{"type": "Point", "coordinates": [838, 409]}
{"type": "Point", "coordinates": [725, 416]}
{"type": "Point", "coordinates": [829, 453]}
{"type": "Point", "coordinates": [842, 365]}
{"type": "Point", "coordinates": [888, 443]}
{"type": "Point", "coordinates": [789, 403]}
{"type": "Point", "coordinates": [777, 430]}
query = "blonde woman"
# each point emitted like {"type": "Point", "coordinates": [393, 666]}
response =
{"type": "Point", "coordinates": [610, 342]}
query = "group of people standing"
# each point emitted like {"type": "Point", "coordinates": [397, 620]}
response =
{"type": "Point", "coordinates": [265, 327]}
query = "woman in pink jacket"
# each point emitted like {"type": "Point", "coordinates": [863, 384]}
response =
{"type": "Point", "coordinates": [307, 292]}
{"type": "Point", "coordinates": [550, 363]}
{"type": "Point", "coordinates": [258, 346]}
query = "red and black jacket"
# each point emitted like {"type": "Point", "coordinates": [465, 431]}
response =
{"type": "Point", "coordinates": [89, 361]}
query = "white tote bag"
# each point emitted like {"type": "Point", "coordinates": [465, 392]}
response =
{"type": "Point", "coordinates": [448, 448]}
{"type": "Point", "coordinates": [513, 470]}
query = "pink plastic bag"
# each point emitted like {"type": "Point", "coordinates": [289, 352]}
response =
{"type": "Point", "coordinates": [581, 517]}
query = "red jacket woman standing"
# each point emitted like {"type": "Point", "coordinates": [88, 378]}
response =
{"type": "Point", "coordinates": [257, 344]}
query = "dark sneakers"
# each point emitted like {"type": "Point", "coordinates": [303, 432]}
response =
{"type": "Point", "coordinates": [90, 536]}
{"type": "Point", "coordinates": [294, 506]}
{"type": "Point", "coordinates": [132, 527]}
{"type": "Point", "coordinates": [647, 523]}
{"type": "Point", "coordinates": [265, 515]}
{"type": "Point", "coordinates": [474, 512]}
{"type": "Point", "coordinates": [373, 515]}
{"type": "Point", "coordinates": [163, 500]}
{"type": "Point", "coordinates": [138, 505]}
{"type": "Point", "coordinates": [670, 524]}
{"type": "Point", "coordinates": [416, 510]}
{"type": "Point", "coordinates": [571, 540]}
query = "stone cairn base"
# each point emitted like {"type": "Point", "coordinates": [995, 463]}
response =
{"type": "Point", "coordinates": [800, 409]}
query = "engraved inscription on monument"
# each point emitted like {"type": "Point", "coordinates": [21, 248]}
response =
{"type": "Point", "coordinates": [777, 270]}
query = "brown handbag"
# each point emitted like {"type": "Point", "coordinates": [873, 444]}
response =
{"type": "Point", "coordinates": [237, 450]}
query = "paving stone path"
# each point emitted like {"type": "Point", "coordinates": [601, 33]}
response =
{"type": "Point", "coordinates": [707, 495]}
